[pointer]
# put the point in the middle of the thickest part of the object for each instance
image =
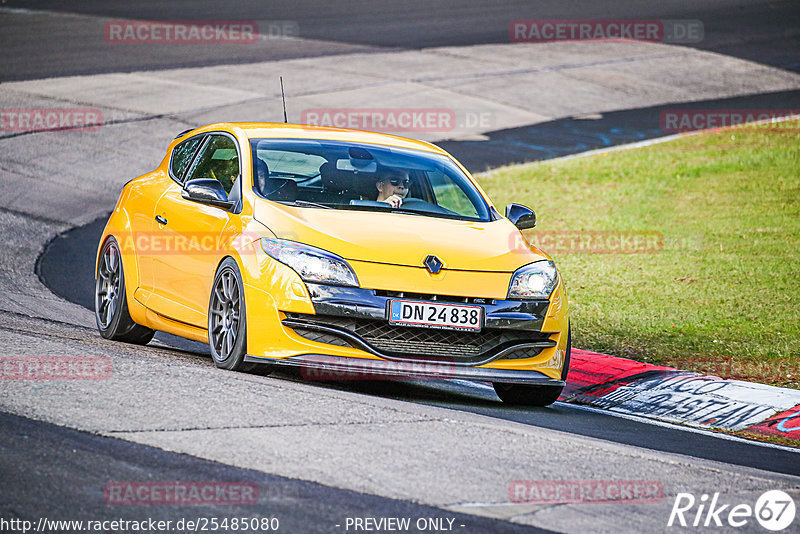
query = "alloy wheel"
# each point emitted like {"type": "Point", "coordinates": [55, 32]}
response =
{"type": "Point", "coordinates": [108, 288]}
{"type": "Point", "coordinates": [225, 306]}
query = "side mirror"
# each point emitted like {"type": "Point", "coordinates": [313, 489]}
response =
{"type": "Point", "coordinates": [522, 216]}
{"type": "Point", "coordinates": [207, 191]}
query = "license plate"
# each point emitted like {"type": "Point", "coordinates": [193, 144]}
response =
{"type": "Point", "coordinates": [435, 315]}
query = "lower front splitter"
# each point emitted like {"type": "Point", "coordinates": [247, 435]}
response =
{"type": "Point", "coordinates": [323, 367]}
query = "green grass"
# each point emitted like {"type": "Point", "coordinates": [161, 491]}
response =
{"type": "Point", "coordinates": [723, 295]}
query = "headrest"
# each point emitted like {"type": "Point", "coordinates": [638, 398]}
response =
{"type": "Point", "coordinates": [282, 189]}
{"type": "Point", "coordinates": [335, 180]}
{"type": "Point", "coordinates": [261, 168]}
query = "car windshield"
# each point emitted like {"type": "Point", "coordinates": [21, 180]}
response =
{"type": "Point", "coordinates": [351, 176]}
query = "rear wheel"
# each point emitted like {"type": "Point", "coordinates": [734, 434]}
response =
{"type": "Point", "coordinates": [110, 303]}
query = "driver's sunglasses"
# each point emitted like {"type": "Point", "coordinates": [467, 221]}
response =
{"type": "Point", "coordinates": [398, 181]}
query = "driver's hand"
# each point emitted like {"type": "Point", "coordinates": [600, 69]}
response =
{"type": "Point", "coordinates": [395, 201]}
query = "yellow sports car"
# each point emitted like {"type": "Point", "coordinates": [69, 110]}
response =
{"type": "Point", "coordinates": [333, 250]}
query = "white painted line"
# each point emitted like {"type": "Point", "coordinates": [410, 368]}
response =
{"type": "Point", "coordinates": [48, 12]}
{"type": "Point", "coordinates": [504, 503]}
{"type": "Point", "coordinates": [656, 422]}
{"type": "Point", "coordinates": [18, 11]}
{"type": "Point", "coordinates": [649, 420]}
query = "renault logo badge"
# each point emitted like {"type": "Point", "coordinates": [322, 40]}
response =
{"type": "Point", "coordinates": [433, 264]}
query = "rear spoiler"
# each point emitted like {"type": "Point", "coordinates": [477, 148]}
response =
{"type": "Point", "coordinates": [183, 133]}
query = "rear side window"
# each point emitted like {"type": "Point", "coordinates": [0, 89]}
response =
{"type": "Point", "coordinates": [219, 161]}
{"type": "Point", "coordinates": [182, 157]}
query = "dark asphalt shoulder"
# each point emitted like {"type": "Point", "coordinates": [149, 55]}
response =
{"type": "Point", "coordinates": [48, 470]}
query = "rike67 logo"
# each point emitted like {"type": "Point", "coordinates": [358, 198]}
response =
{"type": "Point", "coordinates": [774, 510]}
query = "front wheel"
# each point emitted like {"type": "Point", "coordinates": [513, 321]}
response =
{"type": "Point", "coordinates": [110, 303]}
{"type": "Point", "coordinates": [527, 395]}
{"type": "Point", "coordinates": [227, 322]}
{"type": "Point", "coordinates": [535, 395]}
{"type": "Point", "coordinates": [227, 319]}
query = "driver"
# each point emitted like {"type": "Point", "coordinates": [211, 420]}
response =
{"type": "Point", "coordinates": [393, 187]}
{"type": "Point", "coordinates": [262, 175]}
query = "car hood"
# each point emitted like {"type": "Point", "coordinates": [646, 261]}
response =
{"type": "Point", "coordinates": [402, 239]}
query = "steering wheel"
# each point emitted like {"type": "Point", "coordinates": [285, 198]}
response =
{"type": "Point", "coordinates": [418, 202]}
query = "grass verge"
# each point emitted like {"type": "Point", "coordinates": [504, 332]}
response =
{"type": "Point", "coordinates": [713, 284]}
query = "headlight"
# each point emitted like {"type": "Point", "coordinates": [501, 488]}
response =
{"type": "Point", "coordinates": [311, 263]}
{"type": "Point", "coordinates": [534, 281]}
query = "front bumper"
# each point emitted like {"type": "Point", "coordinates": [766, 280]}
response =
{"type": "Point", "coordinates": [511, 346]}
{"type": "Point", "coordinates": [358, 318]}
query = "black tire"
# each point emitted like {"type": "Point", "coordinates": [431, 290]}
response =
{"type": "Point", "coordinates": [227, 318]}
{"type": "Point", "coordinates": [110, 302]}
{"type": "Point", "coordinates": [568, 357]}
{"type": "Point", "coordinates": [525, 395]}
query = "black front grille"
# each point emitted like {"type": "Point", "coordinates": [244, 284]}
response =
{"type": "Point", "coordinates": [322, 337]}
{"type": "Point", "coordinates": [411, 342]}
{"type": "Point", "coordinates": [522, 353]}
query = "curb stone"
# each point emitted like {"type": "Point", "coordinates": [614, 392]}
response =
{"type": "Point", "coordinates": [670, 394]}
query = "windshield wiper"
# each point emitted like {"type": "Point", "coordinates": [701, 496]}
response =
{"type": "Point", "coordinates": [408, 212]}
{"type": "Point", "coordinates": [300, 177]}
{"type": "Point", "coordinates": [401, 210]}
{"type": "Point", "coordinates": [307, 204]}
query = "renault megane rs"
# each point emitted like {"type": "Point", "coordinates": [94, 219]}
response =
{"type": "Point", "coordinates": [333, 249]}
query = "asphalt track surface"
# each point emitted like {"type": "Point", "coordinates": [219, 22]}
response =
{"type": "Point", "coordinates": [38, 46]}
{"type": "Point", "coordinates": [65, 466]}
{"type": "Point", "coordinates": [573, 135]}
{"type": "Point", "coordinates": [39, 453]}
{"type": "Point", "coordinates": [66, 266]}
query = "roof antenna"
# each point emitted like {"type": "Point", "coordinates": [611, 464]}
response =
{"type": "Point", "coordinates": [283, 97]}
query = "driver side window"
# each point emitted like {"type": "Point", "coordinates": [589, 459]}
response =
{"type": "Point", "coordinates": [450, 195]}
{"type": "Point", "coordinates": [219, 161]}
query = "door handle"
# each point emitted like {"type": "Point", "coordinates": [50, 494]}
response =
{"type": "Point", "coordinates": [160, 219]}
